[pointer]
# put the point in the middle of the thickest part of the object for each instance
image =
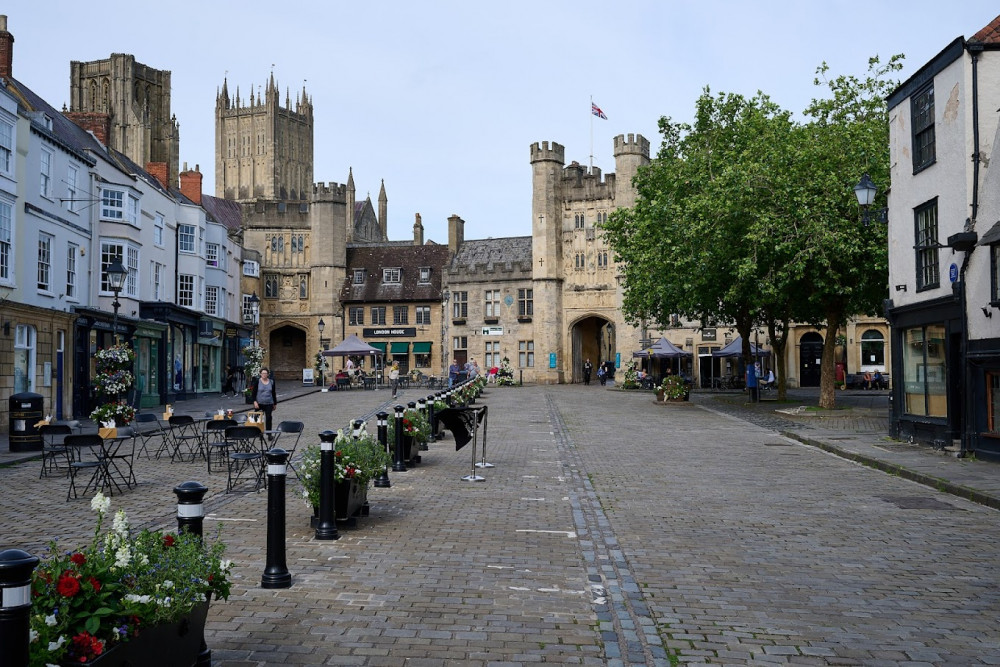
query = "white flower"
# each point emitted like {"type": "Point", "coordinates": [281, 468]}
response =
{"type": "Point", "coordinates": [55, 646]}
{"type": "Point", "coordinates": [143, 559]}
{"type": "Point", "coordinates": [50, 620]}
{"type": "Point", "coordinates": [166, 601]}
{"type": "Point", "coordinates": [168, 584]}
{"type": "Point", "coordinates": [121, 523]}
{"type": "Point", "coordinates": [225, 565]}
{"type": "Point", "coordinates": [32, 635]}
{"type": "Point", "coordinates": [100, 503]}
{"type": "Point", "coordinates": [122, 557]}
{"type": "Point", "coordinates": [141, 599]}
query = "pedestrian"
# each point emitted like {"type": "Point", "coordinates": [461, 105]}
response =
{"type": "Point", "coordinates": [453, 372]}
{"type": "Point", "coordinates": [394, 377]}
{"type": "Point", "coordinates": [229, 384]}
{"type": "Point", "coordinates": [587, 369]}
{"type": "Point", "coordinates": [602, 376]}
{"type": "Point", "coordinates": [265, 396]}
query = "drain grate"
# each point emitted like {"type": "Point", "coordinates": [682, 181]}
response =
{"type": "Point", "coordinates": [777, 444]}
{"type": "Point", "coordinates": [918, 503]}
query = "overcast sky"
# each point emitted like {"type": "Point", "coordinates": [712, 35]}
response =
{"type": "Point", "coordinates": [443, 99]}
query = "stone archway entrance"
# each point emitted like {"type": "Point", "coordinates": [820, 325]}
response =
{"type": "Point", "coordinates": [593, 338]}
{"type": "Point", "coordinates": [287, 353]}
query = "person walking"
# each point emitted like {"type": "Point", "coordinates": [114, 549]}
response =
{"type": "Point", "coordinates": [587, 370]}
{"type": "Point", "coordinates": [265, 396]}
{"type": "Point", "coordinates": [394, 377]}
{"type": "Point", "coordinates": [453, 372]}
{"type": "Point", "coordinates": [230, 384]}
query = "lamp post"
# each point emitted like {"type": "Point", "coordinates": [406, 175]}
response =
{"type": "Point", "coordinates": [254, 315]}
{"type": "Point", "coordinates": [865, 191]}
{"type": "Point", "coordinates": [321, 326]}
{"type": "Point", "coordinates": [116, 280]}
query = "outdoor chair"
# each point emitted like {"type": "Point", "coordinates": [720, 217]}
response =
{"type": "Point", "coordinates": [245, 445]}
{"type": "Point", "coordinates": [215, 442]}
{"type": "Point", "coordinates": [54, 452]}
{"type": "Point", "coordinates": [120, 457]}
{"type": "Point", "coordinates": [148, 431]}
{"type": "Point", "coordinates": [184, 434]}
{"type": "Point", "coordinates": [290, 428]}
{"type": "Point", "coordinates": [87, 451]}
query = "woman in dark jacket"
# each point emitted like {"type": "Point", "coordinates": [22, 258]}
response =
{"type": "Point", "coordinates": [264, 394]}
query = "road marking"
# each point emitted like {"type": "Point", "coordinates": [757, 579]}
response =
{"type": "Point", "coordinates": [568, 533]}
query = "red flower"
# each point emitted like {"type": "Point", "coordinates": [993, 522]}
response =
{"type": "Point", "coordinates": [168, 541]}
{"type": "Point", "coordinates": [95, 584]}
{"type": "Point", "coordinates": [85, 647]}
{"type": "Point", "coordinates": [68, 585]}
{"type": "Point", "coordinates": [78, 558]}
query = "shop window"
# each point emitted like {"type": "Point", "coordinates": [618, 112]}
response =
{"type": "Point", "coordinates": [872, 348]}
{"type": "Point", "coordinates": [925, 371]}
{"type": "Point", "coordinates": [24, 358]}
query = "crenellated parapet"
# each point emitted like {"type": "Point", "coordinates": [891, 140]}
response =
{"type": "Point", "coordinates": [332, 192]}
{"type": "Point", "coordinates": [631, 144]}
{"type": "Point", "coordinates": [543, 152]}
{"type": "Point", "coordinates": [497, 270]}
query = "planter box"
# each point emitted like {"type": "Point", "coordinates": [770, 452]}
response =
{"type": "Point", "coordinates": [169, 645]}
{"type": "Point", "coordinates": [350, 497]}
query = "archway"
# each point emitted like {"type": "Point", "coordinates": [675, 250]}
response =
{"type": "Point", "coordinates": [287, 353]}
{"type": "Point", "coordinates": [592, 338]}
{"type": "Point", "coordinates": [810, 353]}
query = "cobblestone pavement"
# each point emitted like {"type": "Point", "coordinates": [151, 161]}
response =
{"type": "Point", "coordinates": [611, 531]}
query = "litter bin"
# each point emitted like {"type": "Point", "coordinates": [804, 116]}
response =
{"type": "Point", "coordinates": [26, 410]}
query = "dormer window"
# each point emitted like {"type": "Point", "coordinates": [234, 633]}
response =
{"type": "Point", "coordinates": [359, 276]}
{"type": "Point", "coordinates": [425, 274]}
{"type": "Point", "coordinates": [391, 275]}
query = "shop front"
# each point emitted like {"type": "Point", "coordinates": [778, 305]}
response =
{"type": "Point", "coordinates": [93, 332]}
{"type": "Point", "coordinates": [180, 353]}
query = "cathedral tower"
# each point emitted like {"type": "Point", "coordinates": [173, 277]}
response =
{"type": "Point", "coordinates": [136, 99]}
{"type": "Point", "coordinates": [263, 150]}
{"type": "Point", "coordinates": [631, 153]}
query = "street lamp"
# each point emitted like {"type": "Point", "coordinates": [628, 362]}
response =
{"type": "Point", "coordinates": [865, 191]}
{"type": "Point", "coordinates": [255, 314]}
{"type": "Point", "coordinates": [321, 326]}
{"type": "Point", "coordinates": [116, 279]}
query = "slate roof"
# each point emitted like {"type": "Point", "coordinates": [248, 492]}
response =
{"type": "Point", "coordinates": [988, 35]}
{"type": "Point", "coordinates": [409, 258]}
{"type": "Point", "coordinates": [224, 211]}
{"type": "Point", "coordinates": [64, 131]}
{"type": "Point", "coordinates": [490, 252]}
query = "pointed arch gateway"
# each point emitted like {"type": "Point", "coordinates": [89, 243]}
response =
{"type": "Point", "coordinates": [592, 337]}
{"type": "Point", "coordinates": [287, 354]}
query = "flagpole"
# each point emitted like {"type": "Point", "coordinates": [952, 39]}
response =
{"type": "Point", "coordinates": [591, 134]}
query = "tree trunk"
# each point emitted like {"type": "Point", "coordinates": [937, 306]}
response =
{"type": "Point", "coordinates": [828, 367]}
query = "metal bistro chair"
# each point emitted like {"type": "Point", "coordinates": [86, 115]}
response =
{"type": "Point", "coordinates": [147, 430]}
{"type": "Point", "coordinates": [87, 451]}
{"type": "Point", "coordinates": [54, 451]}
{"type": "Point", "coordinates": [246, 452]}
{"type": "Point", "coordinates": [184, 433]}
{"type": "Point", "coordinates": [121, 456]}
{"type": "Point", "coordinates": [288, 429]}
{"type": "Point", "coordinates": [215, 442]}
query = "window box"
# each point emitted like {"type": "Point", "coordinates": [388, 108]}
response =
{"type": "Point", "coordinates": [491, 320]}
{"type": "Point", "coordinates": [523, 319]}
{"type": "Point", "coordinates": [458, 322]}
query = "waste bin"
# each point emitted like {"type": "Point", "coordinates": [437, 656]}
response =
{"type": "Point", "coordinates": [26, 410]}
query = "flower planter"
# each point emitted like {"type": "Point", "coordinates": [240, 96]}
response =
{"type": "Point", "coordinates": [166, 645]}
{"type": "Point", "coordinates": [350, 497]}
{"type": "Point", "coordinates": [408, 449]}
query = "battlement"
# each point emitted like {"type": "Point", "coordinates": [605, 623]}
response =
{"type": "Point", "coordinates": [510, 269]}
{"type": "Point", "coordinates": [541, 152]}
{"type": "Point", "coordinates": [331, 192]}
{"type": "Point", "coordinates": [634, 144]}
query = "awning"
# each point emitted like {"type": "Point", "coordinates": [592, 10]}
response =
{"type": "Point", "coordinates": [380, 346]}
{"type": "Point", "coordinates": [399, 348]}
{"type": "Point", "coordinates": [421, 348]}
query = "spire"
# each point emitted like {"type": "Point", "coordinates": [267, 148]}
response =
{"type": "Point", "coordinates": [383, 216]}
{"type": "Point", "coordinates": [350, 179]}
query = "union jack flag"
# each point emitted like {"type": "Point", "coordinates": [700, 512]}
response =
{"type": "Point", "coordinates": [596, 110]}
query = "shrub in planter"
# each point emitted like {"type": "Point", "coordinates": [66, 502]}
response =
{"type": "Point", "coordinates": [361, 460]}
{"type": "Point", "coordinates": [674, 388]}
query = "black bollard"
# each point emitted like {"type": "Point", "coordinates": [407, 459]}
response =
{"type": "Point", "coordinates": [356, 427]}
{"type": "Point", "coordinates": [382, 482]}
{"type": "Point", "coordinates": [326, 529]}
{"type": "Point", "coordinates": [398, 464]}
{"type": "Point", "coordinates": [190, 507]}
{"type": "Point", "coordinates": [276, 573]}
{"type": "Point", "coordinates": [414, 457]}
{"type": "Point", "coordinates": [16, 567]}
{"type": "Point", "coordinates": [191, 518]}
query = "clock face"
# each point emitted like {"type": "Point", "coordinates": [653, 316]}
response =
{"type": "Point", "coordinates": [508, 300]}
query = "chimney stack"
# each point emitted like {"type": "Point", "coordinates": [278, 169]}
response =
{"type": "Point", "coordinates": [159, 171]}
{"type": "Point", "coordinates": [6, 49]}
{"type": "Point", "coordinates": [456, 233]}
{"type": "Point", "coordinates": [99, 124]}
{"type": "Point", "coordinates": [191, 184]}
{"type": "Point", "coordinates": [418, 231]}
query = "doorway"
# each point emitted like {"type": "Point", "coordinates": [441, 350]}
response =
{"type": "Point", "coordinates": [810, 354]}
{"type": "Point", "coordinates": [592, 338]}
{"type": "Point", "coordinates": [288, 354]}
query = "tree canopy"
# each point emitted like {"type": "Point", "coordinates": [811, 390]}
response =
{"type": "Point", "coordinates": [746, 217]}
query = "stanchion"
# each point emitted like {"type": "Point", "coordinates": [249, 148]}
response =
{"type": "Point", "coordinates": [382, 420]}
{"type": "Point", "coordinates": [326, 529]}
{"type": "Point", "coordinates": [191, 518]}
{"type": "Point", "coordinates": [414, 457]}
{"type": "Point", "coordinates": [483, 463]}
{"type": "Point", "coordinates": [398, 464]}
{"type": "Point", "coordinates": [474, 477]}
{"type": "Point", "coordinates": [16, 567]}
{"type": "Point", "coordinates": [276, 574]}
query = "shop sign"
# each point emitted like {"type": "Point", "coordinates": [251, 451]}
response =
{"type": "Point", "coordinates": [492, 331]}
{"type": "Point", "coordinates": [389, 331]}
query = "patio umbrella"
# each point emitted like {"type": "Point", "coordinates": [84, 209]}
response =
{"type": "Point", "coordinates": [352, 346]}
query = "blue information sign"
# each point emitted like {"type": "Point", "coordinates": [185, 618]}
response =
{"type": "Point", "coordinates": [552, 359]}
{"type": "Point", "coordinates": [953, 272]}
{"type": "Point", "coordinates": [618, 360]}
